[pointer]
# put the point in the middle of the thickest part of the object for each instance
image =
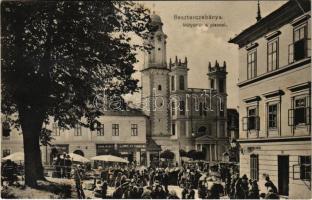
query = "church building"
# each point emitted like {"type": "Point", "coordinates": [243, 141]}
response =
{"type": "Point", "coordinates": [182, 117]}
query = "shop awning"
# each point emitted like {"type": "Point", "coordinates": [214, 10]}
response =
{"type": "Point", "coordinates": [152, 145]}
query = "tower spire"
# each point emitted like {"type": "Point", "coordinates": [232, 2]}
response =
{"type": "Point", "coordinates": [153, 9]}
{"type": "Point", "coordinates": [258, 12]}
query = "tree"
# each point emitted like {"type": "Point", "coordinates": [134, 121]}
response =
{"type": "Point", "coordinates": [191, 154]}
{"type": "Point", "coordinates": [167, 154]}
{"type": "Point", "coordinates": [182, 153]}
{"type": "Point", "coordinates": [57, 56]}
{"type": "Point", "coordinates": [196, 155]}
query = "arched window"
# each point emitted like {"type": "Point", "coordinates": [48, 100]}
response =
{"type": "Point", "coordinates": [159, 87]}
{"type": "Point", "coordinates": [201, 130]}
{"type": "Point", "coordinates": [182, 108]}
{"type": "Point", "coordinates": [181, 82]}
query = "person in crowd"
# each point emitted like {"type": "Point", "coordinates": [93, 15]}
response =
{"type": "Point", "coordinates": [78, 184]}
{"type": "Point", "coordinates": [239, 191]}
{"type": "Point", "coordinates": [68, 164]}
{"type": "Point", "coordinates": [254, 191]}
{"type": "Point", "coordinates": [165, 180]}
{"type": "Point", "coordinates": [118, 193]}
{"type": "Point", "coordinates": [271, 194]}
{"type": "Point", "coordinates": [270, 184]}
{"type": "Point", "coordinates": [58, 168]}
{"type": "Point", "coordinates": [245, 185]}
{"type": "Point", "coordinates": [215, 191]}
{"type": "Point", "coordinates": [9, 172]}
{"type": "Point", "coordinates": [202, 190]}
{"type": "Point", "coordinates": [147, 193]}
{"type": "Point", "coordinates": [172, 195]}
{"type": "Point", "coordinates": [158, 192]}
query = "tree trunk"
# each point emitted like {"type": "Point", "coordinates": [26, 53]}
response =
{"type": "Point", "coordinates": [31, 123]}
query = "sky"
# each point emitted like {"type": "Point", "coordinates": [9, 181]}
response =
{"type": "Point", "coordinates": [203, 44]}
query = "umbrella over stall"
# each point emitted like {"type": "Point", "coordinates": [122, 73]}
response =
{"type": "Point", "coordinates": [78, 158]}
{"type": "Point", "coordinates": [109, 158]}
{"type": "Point", "coordinates": [18, 156]}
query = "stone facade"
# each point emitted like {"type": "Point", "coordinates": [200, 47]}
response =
{"type": "Point", "coordinates": [182, 117]}
{"type": "Point", "coordinates": [275, 100]}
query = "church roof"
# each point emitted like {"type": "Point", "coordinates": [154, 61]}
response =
{"type": "Point", "coordinates": [155, 18]}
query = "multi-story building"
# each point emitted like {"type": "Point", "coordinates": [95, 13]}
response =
{"type": "Point", "coordinates": [182, 117]}
{"type": "Point", "coordinates": [122, 131]}
{"type": "Point", "coordinates": [275, 99]}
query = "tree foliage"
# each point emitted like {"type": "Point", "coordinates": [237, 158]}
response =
{"type": "Point", "coordinates": [57, 56]}
{"type": "Point", "coordinates": [167, 154]}
{"type": "Point", "coordinates": [182, 153]}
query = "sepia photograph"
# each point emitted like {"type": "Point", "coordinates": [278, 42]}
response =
{"type": "Point", "coordinates": [156, 99]}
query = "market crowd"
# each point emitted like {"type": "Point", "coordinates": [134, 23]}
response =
{"type": "Point", "coordinates": [129, 182]}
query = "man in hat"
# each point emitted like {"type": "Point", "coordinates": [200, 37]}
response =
{"type": "Point", "coordinates": [68, 164]}
{"type": "Point", "coordinates": [270, 184]}
{"type": "Point", "coordinates": [245, 184]}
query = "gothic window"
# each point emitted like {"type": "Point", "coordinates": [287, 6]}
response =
{"type": "Point", "coordinates": [182, 108]}
{"type": "Point", "coordinates": [181, 82]}
{"type": "Point", "coordinates": [159, 87]}
{"type": "Point", "coordinates": [172, 83]}
{"type": "Point", "coordinates": [212, 83]}
{"type": "Point", "coordinates": [221, 85]}
{"type": "Point", "coordinates": [173, 129]}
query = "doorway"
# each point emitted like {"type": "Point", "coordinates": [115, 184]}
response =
{"type": "Point", "coordinates": [283, 175]}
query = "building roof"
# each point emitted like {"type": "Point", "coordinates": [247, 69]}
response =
{"type": "Point", "coordinates": [273, 21]}
{"type": "Point", "coordinates": [152, 145]}
{"type": "Point", "coordinates": [126, 112]}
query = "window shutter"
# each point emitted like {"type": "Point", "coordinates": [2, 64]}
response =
{"type": "Point", "coordinates": [290, 117]}
{"type": "Point", "coordinates": [308, 47]}
{"type": "Point", "coordinates": [308, 115]}
{"type": "Point", "coordinates": [257, 123]}
{"type": "Point", "coordinates": [291, 53]}
{"type": "Point", "coordinates": [245, 123]}
{"type": "Point", "coordinates": [296, 172]}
